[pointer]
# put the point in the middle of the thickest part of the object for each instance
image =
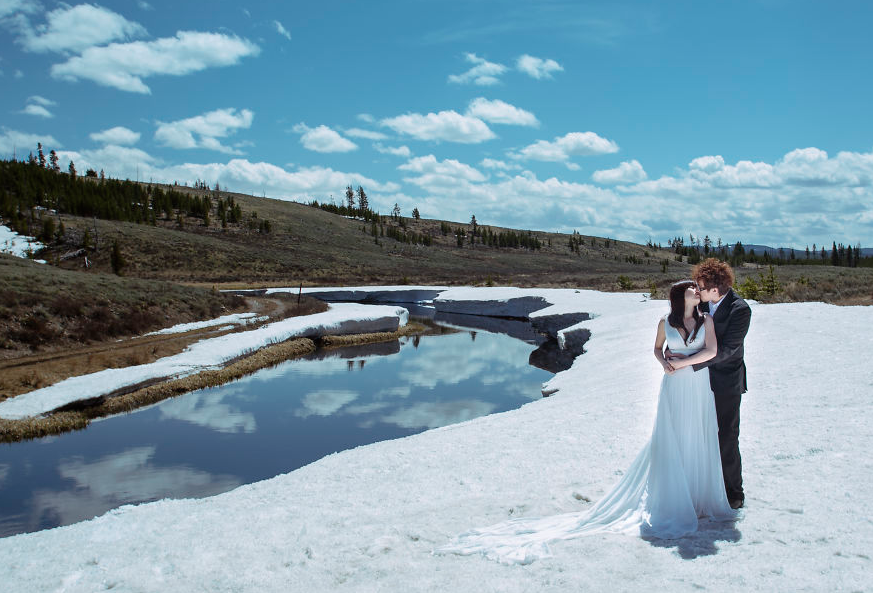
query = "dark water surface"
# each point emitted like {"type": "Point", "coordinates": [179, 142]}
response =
{"type": "Point", "coordinates": [274, 421]}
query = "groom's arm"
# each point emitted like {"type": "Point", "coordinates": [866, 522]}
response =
{"type": "Point", "coordinates": [732, 341]}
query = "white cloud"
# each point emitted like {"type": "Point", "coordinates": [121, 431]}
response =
{"type": "Point", "coordinates": [440, 174]}
{"type": "Point", "coordinates": [71, 29]}
{"type": "Point", "coordinates": [563, 147]}
{"type": "Point", "coordinates": [483, 72]}
{"type": "Point", "coordinates": [41, 101]}
{"type": "Point", "coordinates": [282, 30]}
{"type": "Point", "coordinates": [10, 7]}
{"type": "Point", "coordinates": [323, 139]}
{"type": "Point", "coordinates": [537, 67]}
{"type": "Point", "coordinates": [18, 74]}
{"type": "Point", "coordinates": [499, 165]}
{"type": "Point", "coordinates": [118, 135]}
{"type": "Point", "coordinates": [38, 110]}
{"type": "Point", "coordinates": [22, 143]}
{"type": "Point", "coordinates": [449, 126]}
{"type": "Point", "coordinates": [401, 151]}
{"type": "Point", "coordinates": [626, 172]}
{"type": "Point", "coordinates": [124, 65]}
{"type": "Point", "coordinates": [499, 112]}
{"type": "Point", "coordinates": [203, 131]}
{"type": "Point", "coordinates": [708, 164]}
{"type": "Point", "coordinates": [143, 5]}
{"type": "Point", "coordinates": [366, 117]}
{"type": "Point", "coordinates": [367, 134]}
{"type": "Point", "coordinates": [38, 106]}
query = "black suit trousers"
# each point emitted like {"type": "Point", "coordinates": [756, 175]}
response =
{"type": "Point", "coordinates": [727, 410]}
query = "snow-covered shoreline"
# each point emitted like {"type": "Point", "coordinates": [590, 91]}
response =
{"type": "Point", "coordinates": [339, 319]}
{"type": "Point", "coordinates": [368, 519]}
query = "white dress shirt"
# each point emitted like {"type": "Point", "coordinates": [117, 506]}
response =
{"type": "Point", "coordinates": [714, 305]}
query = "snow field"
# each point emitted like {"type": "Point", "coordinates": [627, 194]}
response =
{"type": "Point", "coordinates": [367, 519]}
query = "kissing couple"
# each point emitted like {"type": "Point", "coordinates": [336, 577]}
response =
{"type": "Point", "coordinates": [691, 466]}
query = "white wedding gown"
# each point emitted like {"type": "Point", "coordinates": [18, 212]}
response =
{"type": "Point", "coordinates": [675, 479]}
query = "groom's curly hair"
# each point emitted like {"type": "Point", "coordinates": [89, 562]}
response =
{"type": "Point", "coordinates": [713, 272]}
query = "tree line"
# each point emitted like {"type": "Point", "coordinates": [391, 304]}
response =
{"type": "Point", "coordinates": [29, 188]}
{"type": "Point", "coordinates": [839, 255]}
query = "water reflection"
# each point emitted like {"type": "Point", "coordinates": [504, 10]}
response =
{"type": "Point", "coordinates": [208, 409]}
{"type": "Point", "coordinates": [91, 488]}
{"type": "Point", "coordinates": [271, 422]}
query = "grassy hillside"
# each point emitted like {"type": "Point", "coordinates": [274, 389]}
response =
{"type": "Point", "coordinates": [315, 247]}
{"type": "Point", "coordinates": [44, 307]}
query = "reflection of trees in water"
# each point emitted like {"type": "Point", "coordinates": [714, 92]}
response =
{"type": "Point", "coordinates": [350, 365]}
{"type": "Point", "coordinates": [472, 336]}
{"type": "Point", "coordinates": [361, 363]}
{"type": "Point", "coordinates": [416, 340]}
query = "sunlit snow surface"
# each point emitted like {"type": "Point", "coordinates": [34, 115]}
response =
{"type": "Point", "coordinates": [368, 519]}
{"type": "Point", "coordinates": [15, 244]}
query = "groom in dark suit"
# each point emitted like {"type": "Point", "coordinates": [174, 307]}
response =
{"type": "Point", "coordinates": [727, 371]}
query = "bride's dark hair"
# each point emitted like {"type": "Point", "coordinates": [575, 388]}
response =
{"type": "Point", "coordinates": [677, 310]}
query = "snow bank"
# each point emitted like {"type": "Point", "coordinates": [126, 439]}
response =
{"type": "Point", "coordinates": [368, 519]}
{"type": "Point", "coordinates": [206, 354]}
{"type": "Point", "coordinates": [236, 319]}
{"type": "Point", "coordinates": [15, 244]}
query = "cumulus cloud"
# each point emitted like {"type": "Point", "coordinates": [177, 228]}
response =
{"type": "Point", "coordinates": [323, 139]}
{"type": "Point", "coordinates": [563, 147]}
{"type": "Point", "coordinates": [483, 72]}
{"type": "Point", "coordinates": [626, 172]}
{"type": "Point", "coordinates": [707, 164]}
{"type": "Point", "coordinates": [119, 136]}
{"type": "Point", "coordinates": [366, 134]}
{"type": "Point", "coordinates": [537, 67]}
{"type": "Point", "coordinates": [124, 65]}
{"type": "Point", "coordinates": [366, 117]}
{"type": "Point", "coordinates": [38, 106]}
{"type": "Point", "coordinates": [499, 165]}
{"type": "Point", "coordinates": [10, 7]}
{"type": "Point", "coordinates": [22, 143]}
{"type": "Point", "coordinates": [282, 30]}
{"type": "Point", "coordinates": [38, 110]}
{"type": "Point", "coordinates": [432, 173]}
{"type": "Point", "coordinates": [71, 29]}
{"type": "Point", "coordinates": [500, 112]}
{"type": "Point", "coordinates": [203, 131]}
{"type": "Point", "coordinates": [449, 126]}
{"type": "Point", "coordinates": [401, 151]}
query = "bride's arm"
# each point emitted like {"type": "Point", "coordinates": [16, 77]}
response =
{"type": "Point", "coordinates": [660, 338]}
{"type": "Point", "coordinates": [710, 348]}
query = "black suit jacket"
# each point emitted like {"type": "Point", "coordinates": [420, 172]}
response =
{"type": "Point", "coordinates": [727, 371]}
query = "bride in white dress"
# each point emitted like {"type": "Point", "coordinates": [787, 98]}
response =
{"type": "Point", "coordinates": [674, 480]}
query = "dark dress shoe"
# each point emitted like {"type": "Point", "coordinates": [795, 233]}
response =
{"type": "Point", "coordinates": [736, 503]}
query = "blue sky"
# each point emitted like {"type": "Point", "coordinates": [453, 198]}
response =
{"type": "Point", "coordinates": [744, 120]}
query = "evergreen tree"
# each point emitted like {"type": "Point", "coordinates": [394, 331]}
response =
{"type": "Point", "coordinates": [72, 170]}
{"type": "Point", "coordinates": [835, 256]}
{"type": "Point", "coordinates": [363, 202]}
{"type": "Point", "coordinates": [416, 215]}
{"type": "Point", "coordinates": [350, 200]}
{"type": "Point", "coordinates": [116, 259]}
{"type": "Point", "coordinates": [41, 155]}
{"type": "Point", "coordinates": [53, 160]}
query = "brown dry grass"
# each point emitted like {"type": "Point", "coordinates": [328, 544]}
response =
{"type": "Point", "coordinates": [26, 373]}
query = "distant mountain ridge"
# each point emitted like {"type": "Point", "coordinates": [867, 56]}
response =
{"type": "Point", "coordinates": [798, 253]}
